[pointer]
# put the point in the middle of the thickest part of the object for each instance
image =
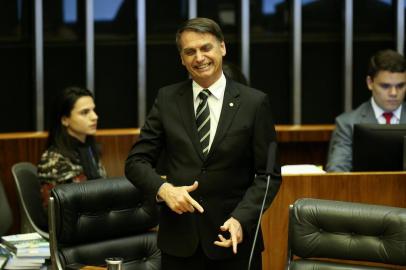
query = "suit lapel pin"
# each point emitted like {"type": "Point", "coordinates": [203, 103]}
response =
{"type": "Point", "coordinates": [231, 104]}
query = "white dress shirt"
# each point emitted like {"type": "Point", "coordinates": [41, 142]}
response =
{"type": "Point", "coordinates": [215, 102]}
{"type": "Point", "coordinates": [381, 119]}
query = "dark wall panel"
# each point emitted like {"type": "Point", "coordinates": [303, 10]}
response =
{"type": "Point", "coordinates": [270, 65]}
{"type": "Point", "coordinates": [322, 82]}
{"type": "Point", "coordinates": [17, 107]}
{"type": "Point", "coordinates": [116, 85]}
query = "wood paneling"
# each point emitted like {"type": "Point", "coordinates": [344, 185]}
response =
{"type": "Point", "coordinates": [303, 144]}
{"type": "Point", "coordinates": [115, 148]}
{"type": "Point", "coordinates": [304, 133]}
{"type": "Point", "coordinates": [374, 188]}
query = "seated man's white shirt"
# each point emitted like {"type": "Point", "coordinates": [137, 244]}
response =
{"type": "Point", "coordinates": [380, 118]}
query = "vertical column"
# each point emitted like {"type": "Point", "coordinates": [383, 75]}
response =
{"type": "Point", "coordinates": [39, 67]}
{"type": "Point", "coordinates": [348, 54]}
{"type": "Point", "coordinates": [297, 62]}
{"type": "Point", "coordinates": [142, 62]}
{"type": "Point", "coordinates": [245, 38]}
{"type": "Point", "coordinates": [89, 45]}
{"type": "Point", "coordinates": [400, 26]}
{"type": "Point", "coordinates": [192, 9]}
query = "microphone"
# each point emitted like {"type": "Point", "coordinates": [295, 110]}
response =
{"type": "Point", "coordinates": [271, 159]}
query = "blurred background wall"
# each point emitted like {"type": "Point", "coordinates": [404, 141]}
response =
{"type": "Point", "coordinates": [310, 56]}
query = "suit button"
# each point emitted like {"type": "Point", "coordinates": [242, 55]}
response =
{"type": "Point", "coordinates": [200, 200]}
{"type": "Point", "coordinates": [204, 170]}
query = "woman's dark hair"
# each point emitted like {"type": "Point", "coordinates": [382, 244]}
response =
{"type": "Point", "coordinates": [58, 135]}
{"type": "Point", "coordinates": [386, 60]}
{"type": "Point", "coordinates": [200, 25]}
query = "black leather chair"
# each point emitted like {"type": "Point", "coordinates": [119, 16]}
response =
{"type": "Point", "coordinates": [345, 231]}
{"type": "Point", "coordinates": [6, 216]}
{"type": "Point", "coordinates": [97, 219]}
{"type": "Point", "coordinates": [33, 216]}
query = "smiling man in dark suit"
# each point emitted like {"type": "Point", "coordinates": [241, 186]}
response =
{"type": "Point", "coordinates": [215, 133]}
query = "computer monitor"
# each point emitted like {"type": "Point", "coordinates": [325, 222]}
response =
{"type": "Point", "coordinates": [379, 147]}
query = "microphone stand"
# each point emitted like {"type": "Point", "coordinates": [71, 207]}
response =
{"type": "Point", "coordinates": [268, 179]}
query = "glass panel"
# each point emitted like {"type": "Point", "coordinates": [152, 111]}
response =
{"type": "Point", "coordinates": [115, 19]}
{"type": "Point", "coordinates": [405, 22]}
{"type": "Point", "coordinates": [322, 60]}
{"type": "Point", "coordinates": [322, 82]}
{"type": "Point", "coordinates": [63, 20]}
{"type": "Point", "coordinates": [163, 62]}
{"type": "Point", "coordinates": [164, 17]}
{"type": "Point", "coordinates": [163, 68]}
{"type": "Point", "coordinates": [270, 56]}
{"type": "Point", "coordinates": [372, 17]}
{"type": "Point", "coordinates": [374, 30]}
{"type": "Point", "coordinates": [15, 20]}
{"type": "Point", "coordinates": [116, 63]}
{"type": "Point", "coordinates": [226, 13]}
{"type": "Point", "coordinates": [116, 84]}
{"type": "Point", "coordinates": [322, 16]}
{"type": "Point", "coordinates": [269, 16]}
{"type": "Point", "coordinates": [270, 72]}
{"type": "Point", "coordinates": [16, 65]}
{"type": "Point", "coordinates": [64, 48]}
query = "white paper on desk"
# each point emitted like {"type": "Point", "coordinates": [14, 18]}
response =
{"type": "Point", "coordinates": [301, 169]}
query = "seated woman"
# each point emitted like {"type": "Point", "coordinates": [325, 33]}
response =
{"type": "Point", "coordinates": [71, 156]}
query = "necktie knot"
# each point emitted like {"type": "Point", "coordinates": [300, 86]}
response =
{"type": "Point", "coordinates": [388, 116]}
{"type": "Point", "coordinates": [204, 94]}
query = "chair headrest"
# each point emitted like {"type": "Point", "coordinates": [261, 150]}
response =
{"type": "Point", "coordinates": [100, 210]}
{"type": "Point", "coordinates": [345, 230]}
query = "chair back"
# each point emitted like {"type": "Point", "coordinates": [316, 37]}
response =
{"type": "Point", "coordinates": [345, 231]}
{"type": "Point", "coordinates": [6, 216]}
{"type": "Point", "coordinates": [29, 195]}
{"type": "Point", "coordinates": [97, 219]}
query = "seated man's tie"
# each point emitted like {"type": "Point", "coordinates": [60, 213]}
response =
{"type": "Point", "coordinates": [203, 121]}
{"type": "Point", "coordinates": [388, 117]}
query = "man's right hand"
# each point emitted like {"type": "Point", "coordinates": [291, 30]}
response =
{"type": "Point", "coordinates": [178, 198]}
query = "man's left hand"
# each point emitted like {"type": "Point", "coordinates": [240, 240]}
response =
{"type": "Point", "coordinates": [233, 226]}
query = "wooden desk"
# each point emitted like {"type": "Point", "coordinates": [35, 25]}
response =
{"type": "Point", "coordinates": [304, 144]}
{"type": "Point", "coordinates": [304, 133]}
{"type": "Point", "coordinates": [376, 188]}
{"type": "Point", "coordinates": [297, 145]}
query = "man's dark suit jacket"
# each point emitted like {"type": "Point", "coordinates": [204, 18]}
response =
{"type": "Point", "coordinates": [231, 178]}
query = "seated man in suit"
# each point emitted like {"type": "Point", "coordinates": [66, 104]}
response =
{"type": "Point", "coordinates": [386, 80]}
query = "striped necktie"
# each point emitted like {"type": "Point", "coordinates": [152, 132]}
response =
{"type": "Point", "coordinates": [203, 121]}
